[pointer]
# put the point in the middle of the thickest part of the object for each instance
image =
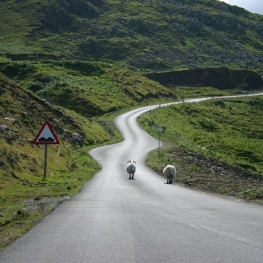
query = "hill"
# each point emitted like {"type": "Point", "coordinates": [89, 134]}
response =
{"type": "Point", "coordinates": [145, 35]}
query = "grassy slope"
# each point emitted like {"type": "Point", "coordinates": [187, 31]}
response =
{"type": "Point", "coordinates": [230, 130]}
{"type": "Point", "coordinates": [156, 35]}
{"type": "Point", "coordinates": [90, 89]}
{"type": "Point", "coordinates": [203, 173]}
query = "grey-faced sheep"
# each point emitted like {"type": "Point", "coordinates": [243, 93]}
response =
{"type": "Point", "coordinates": [131, 169]}
{"type": "Point", "coordinates": [169, 172]}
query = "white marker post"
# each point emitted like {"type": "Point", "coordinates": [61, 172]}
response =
{"type": "Point", "coordinates": [160, 129]}
{"type": "Point", "coordinates": [46, 136]}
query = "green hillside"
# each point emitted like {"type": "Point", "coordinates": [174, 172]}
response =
{"type": "Point", "coordinates": [230, 130]}
{"type": "Point", "coordinates": [145, 35]}
{"type": "Point", "coordinates": [89, 88]}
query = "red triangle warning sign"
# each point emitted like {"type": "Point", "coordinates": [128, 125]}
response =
{"type": "Point", "coordinates": [46, 135]}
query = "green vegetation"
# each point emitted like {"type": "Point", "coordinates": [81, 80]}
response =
{"type": "Point", "coordinates": [89, 88]}
{"type": "Point", "coordinates": [230, 130]}
{"type": "Point", "coordinates": [193, 92]}
{"type": "Point", "coordinates": [146, 35]}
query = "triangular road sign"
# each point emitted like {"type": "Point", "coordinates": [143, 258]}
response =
{"type": "Point", "coordinates": [46, 135]}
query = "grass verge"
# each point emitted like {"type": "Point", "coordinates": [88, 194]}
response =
{"type": "Point", "coordinates": [24, 203]}
{"type": "Point", "coordinates": [207, 174]}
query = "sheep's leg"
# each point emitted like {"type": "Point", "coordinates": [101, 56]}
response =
{"type": "Point", "coordinates": [170, 180]}
{"type": "Point", "coordinates": [132, 176]}
{"type": "Point", "coordinates": [129, 176]}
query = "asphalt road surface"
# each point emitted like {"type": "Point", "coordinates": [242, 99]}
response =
{"type": "Point", "coordinates": [118, 220]}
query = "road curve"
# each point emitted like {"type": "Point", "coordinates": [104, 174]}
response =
{"type": "Point", "coordinates": [117, 220]}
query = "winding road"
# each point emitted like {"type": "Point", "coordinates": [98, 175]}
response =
{"type": "Point", "coordinates": [117, 220]}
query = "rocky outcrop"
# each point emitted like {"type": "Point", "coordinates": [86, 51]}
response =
{"type": "Point", "coordinates": [220, 78]}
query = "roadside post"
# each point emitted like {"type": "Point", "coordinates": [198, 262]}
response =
{"type": "Point", "coordinates": [46, 136]}
{"type": "Point", "coordinates": [160, 129]}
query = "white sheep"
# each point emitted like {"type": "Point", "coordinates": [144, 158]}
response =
{"type": "Point", "coordinates": [131, 168]}
{"type": "Point", "coordinates": [169, 172]}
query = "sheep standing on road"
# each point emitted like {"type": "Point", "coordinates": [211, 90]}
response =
{"type": "Point", "coordinates": [131, 168]}
{"type": "Point", "coordinates": [169, 172]}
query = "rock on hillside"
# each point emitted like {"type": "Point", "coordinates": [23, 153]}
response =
{"type": "Point", "coordinates": [220, 78]}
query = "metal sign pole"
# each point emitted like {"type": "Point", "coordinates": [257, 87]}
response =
{"type": "Point", "coordinates": [46, 136]}
{"type": "Point", "coordinates": [45, 162]}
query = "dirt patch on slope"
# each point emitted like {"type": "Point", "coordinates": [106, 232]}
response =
{"type": "Point", "coordinates": [220, 78]}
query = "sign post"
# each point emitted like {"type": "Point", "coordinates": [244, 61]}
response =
{"type": "Point", "coordinates": [45, 161]}
{"type": "Point", "coordinates": [46, 136]}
